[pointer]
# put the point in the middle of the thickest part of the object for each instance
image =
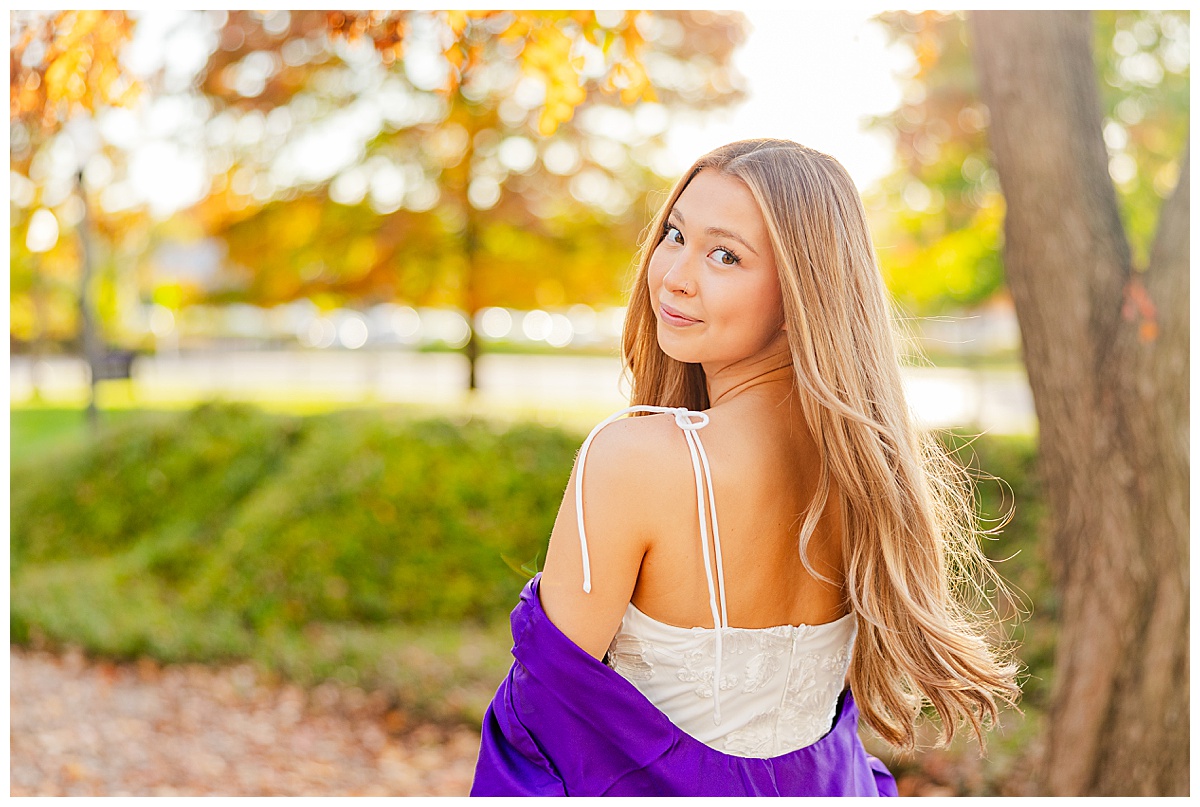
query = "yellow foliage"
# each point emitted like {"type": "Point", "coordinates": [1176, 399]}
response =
{"type": "Point", "coordinates": [169, 295]}
{"type": "Point", "coordinates": [457, 20]}
{"type": "Point", "coordinates": [547, 123]}
{"type": "Point", "coordinates": [304, 217]}
{"type": "Point", "coordinates": [474, 56]}
{"type": "Point", "coordinates": [80, 68]}
{"type": "Point", "coordinates": [21, 317]}
{"type": "Point", "coordinates": [519, 29]}
{"type": "Point", "coordinates": [360, 258]}
{"type": "Point", "coordinates": [63, 260]}
{"type": "Point", "coordinates": [279, 285]}
{"type": "Point", "coordinates": [550, 292]}
{"type": "Point", "coordinates": [548, 51]}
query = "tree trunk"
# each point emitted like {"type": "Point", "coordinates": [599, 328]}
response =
{"type": "Point", "coordinates": [460, 178]}
{"type": "Point", "coordinates": [471, 258]}
{"type": "Point", "coordinates": [1106, 349]}
{"type": "Point", "coordinates": [92, 345]}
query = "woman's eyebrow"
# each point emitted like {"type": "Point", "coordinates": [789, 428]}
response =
{"type": "Point", "coordinates": [718, 232]}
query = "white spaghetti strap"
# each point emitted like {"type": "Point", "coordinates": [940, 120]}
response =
{"type": "Point", "coordinates": [683, 419]}
{"type": "Point", "coordinates": [712, 504]}
{"type": "Point", "coordinates": [719, 624]}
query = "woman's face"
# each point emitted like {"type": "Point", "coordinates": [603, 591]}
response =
{"type": "Point", "coordinates": [715, 266]}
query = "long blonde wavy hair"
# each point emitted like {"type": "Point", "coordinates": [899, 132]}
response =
{"type": "Point", "coordinates": [915, 573]}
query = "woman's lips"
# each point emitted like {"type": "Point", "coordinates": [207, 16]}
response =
{"type": "Point", "coordinates": [673, 317]}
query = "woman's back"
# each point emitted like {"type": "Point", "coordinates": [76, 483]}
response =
{"type": "Point", "coordinates": [764, 466]}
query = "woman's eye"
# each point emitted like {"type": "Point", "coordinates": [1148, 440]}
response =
{"type": "Point", "coordinates": [673, 234]}
{"type": "Point", "coordinates": [725, 256]}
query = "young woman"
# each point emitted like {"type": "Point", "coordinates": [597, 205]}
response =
{"type": "Point", "coordinates": [664, 651]}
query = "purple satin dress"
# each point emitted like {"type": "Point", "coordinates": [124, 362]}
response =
{"type": "Point", "coordinates": [564, 724]}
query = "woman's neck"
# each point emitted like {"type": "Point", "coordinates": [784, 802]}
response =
{"type": "Point", "coordinates": [767, 375]}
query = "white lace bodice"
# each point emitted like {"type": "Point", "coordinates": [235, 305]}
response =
{"type": "Point", "coordinates": [777, 687]}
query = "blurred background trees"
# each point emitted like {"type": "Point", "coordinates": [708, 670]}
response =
{"type": "Point", "coordinates": [938, 216]}
{"type": "Point", "coordinates": [441, 158]}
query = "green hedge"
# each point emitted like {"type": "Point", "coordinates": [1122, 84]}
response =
{"type": "Point", "coordinates": [375, 520]}
{"type": "Point", "coordinates": [280, 521]}
{"type": "Point", "coordinates": [140, 479]}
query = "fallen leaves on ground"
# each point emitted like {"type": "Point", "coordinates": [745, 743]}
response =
{"type": "Point", "coordinates": [81, 727]}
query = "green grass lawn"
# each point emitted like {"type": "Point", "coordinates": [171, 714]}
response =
{"type": "Point", "coordinates": [39, 426]}
{"type": "Point", "coordinates": [33, 430]}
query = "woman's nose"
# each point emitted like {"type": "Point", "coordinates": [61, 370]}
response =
{"type": "Point", "coordinates": [679, 279]}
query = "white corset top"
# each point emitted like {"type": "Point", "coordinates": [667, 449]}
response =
{"type": "Point", "coordinates": [779, 686]}
{"type": "Point", "coordinates": [776, 688]}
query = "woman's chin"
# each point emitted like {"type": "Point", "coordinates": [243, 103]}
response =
{"type": "Point", "coordinates": [678, 352]}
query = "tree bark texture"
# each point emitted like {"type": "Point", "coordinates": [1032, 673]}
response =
{"type": "Point", "coordinates": [1106, 349]}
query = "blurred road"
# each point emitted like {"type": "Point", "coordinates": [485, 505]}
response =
{"type": "Point", "coordinates": [994, 400]}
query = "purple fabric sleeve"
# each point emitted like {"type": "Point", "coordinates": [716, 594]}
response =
{"type": "Point", "coordinates": [563, 723]}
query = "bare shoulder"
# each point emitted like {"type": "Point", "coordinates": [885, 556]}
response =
{"type": "Point", "coordinates": [637, 441]}
{"type": "Point", "coordinates": [631, 464]}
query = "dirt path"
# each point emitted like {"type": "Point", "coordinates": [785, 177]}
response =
{"type": "Point", "coordinates": [86, 728]}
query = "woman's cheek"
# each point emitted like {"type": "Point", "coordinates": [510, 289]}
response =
{"type": "Point", "coordinates": [654, 273]}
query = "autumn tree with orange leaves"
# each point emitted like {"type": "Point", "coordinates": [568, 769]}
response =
{"type": "Point", "coordinates": [526, 144]}
{"type": "Point", "coordinates": [63, 68]}
{"type": "Point", "coordinates": [534, 205]}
